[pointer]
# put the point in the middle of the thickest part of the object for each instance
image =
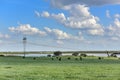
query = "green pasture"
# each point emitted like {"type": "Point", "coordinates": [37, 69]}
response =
{"type": "Point", "coordinates": [44, 68]}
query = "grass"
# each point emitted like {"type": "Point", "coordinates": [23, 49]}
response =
{"type": "Point", "coordinates": [90, 68]}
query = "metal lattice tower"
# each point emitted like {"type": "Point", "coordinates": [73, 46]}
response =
{"type": "Point", "coordinates": [24, 45]}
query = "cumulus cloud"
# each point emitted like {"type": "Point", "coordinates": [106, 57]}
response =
{"type": "Point", "coordinates": [61, 35]}
{"type": "Point", "coordinates": [96, 32]}
{"type": "Point", "coordinates": [27, 29]}
{"type": "Point", "coordinates": [61, 3]}
{"type": "Point", "coordinates": [60, 17]}
{"type": "Point", "coordinates": [4, 35]}
{"type": "Point", "coordinates": [117, 15]}
{"type": "Point", "coordinates": [79, 18]}
{"type": "Point", "coordinates": [45, 14]}
{"type": "Point", "coordinates": [113, 30]}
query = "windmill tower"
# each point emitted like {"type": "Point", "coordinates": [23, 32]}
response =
{"type": "Point", "coordinates": [24, 45]}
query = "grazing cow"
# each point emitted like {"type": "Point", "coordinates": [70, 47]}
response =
{"type": "Point", "coordinates": [23, 57]}
{"type": "Point", "coordinates": [52, 58]}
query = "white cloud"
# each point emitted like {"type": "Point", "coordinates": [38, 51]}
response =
{"type": "Point", "coordinates": [96, 32]}
{"type": "Point", "coordinates": [117, 23]}
{"type": "Point", "coordinates": [117, 15]}
{"type": "Point", "coordinates": [78, 10]}
{"type": "Point", "coordinates": [80, 33]}
{"type": "Point", "coordinates": [45, 14]}
{"type": "Point", "coordinates": [60, 17]}
{"type": "Point", "coordinates": [4, 35]}
{"type": "Point", "coordinates": [79, 18]}
{"type": "Point", "coordinates": [48, 29]}
{"type": "Point", "coordinates": [60, 42]}
{"type": "Point", "coordinates": [61, 3]}
{"type": "Point", "coordinates": [108, 14]}
{"type": "Point", "coordinates": [61, 35]}
{"type": "Point", "coordinates": [113, 30]}
{"type": "Point", "coordinates": [27, 30]}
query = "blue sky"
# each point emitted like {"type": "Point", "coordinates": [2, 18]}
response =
{"type": "Point", "coordinates": [59, 25]}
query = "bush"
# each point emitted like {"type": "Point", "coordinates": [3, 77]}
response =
{"type": "Point", "coordinates": [57, 53]}
{"type": "Point", "coordinates": [84, 55]}
{"type": "Point", "coordinates": [75, 54]}
{"type": "Point", "coordinates": [68, 58]}
{"type": "Point", "coordinates": [52, 58]}
{"type": "Point", "coordinates": [34, 58]}
{"type": "Point", "coordinates": [76, 58]}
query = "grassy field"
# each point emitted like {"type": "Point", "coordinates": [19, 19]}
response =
{"type": "Point", "coordinates": [90, 68]}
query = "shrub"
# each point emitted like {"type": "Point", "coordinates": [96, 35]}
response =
{"type": "Point", "coordinates": [75, 54]}
{"type": "Point", "coordinates": [34, 58]}
{"type": "Point", "coordinates": [76, 58]}
{"type": "Point", "coordinates": [84, 55]}
{"type": "Point", "coordinates": [52, 58]}
{"type": "Point", "coordinates": [68, 58]}
{"type": "Point", "coordinates": [57, 53]}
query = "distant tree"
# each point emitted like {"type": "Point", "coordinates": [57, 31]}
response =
{"type": "Point", "coordinates": [57, 53]}
{"type": "Point", "coordinates": [83, 54]}
{"type": "Point", "coordinates": [2, 55]}
{"type": "Point", "coordinates": [113, 55]}
{"type": "Point", "coordinates": [75, 54]}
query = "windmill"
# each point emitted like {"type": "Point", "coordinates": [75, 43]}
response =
{"type": "Point", "coordinates": [24, 45]}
